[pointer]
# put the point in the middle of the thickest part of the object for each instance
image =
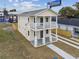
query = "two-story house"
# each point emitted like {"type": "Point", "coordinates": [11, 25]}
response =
{"type": "Point", "coordinates": [36, 26]}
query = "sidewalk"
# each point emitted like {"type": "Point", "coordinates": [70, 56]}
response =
{"type": "Point", "coordinates": [60, 52]}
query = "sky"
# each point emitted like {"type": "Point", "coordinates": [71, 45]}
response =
{"type": "Point", "coordinates": [29, 5]}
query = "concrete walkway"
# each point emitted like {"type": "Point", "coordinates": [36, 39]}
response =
{"type": "Point", "coordinates": [60, 52]}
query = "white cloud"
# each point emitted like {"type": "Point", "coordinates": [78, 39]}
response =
{"type": "Point", "coordinates": [45, 4]}
{"type": "Point", "coordinates": [10, 0]}
{"type": "Point", "coordinates": [16, 0]}
{"type": "Point", "coordinates": [35, 0]}
{"type": "Point", "coordinates": [26, 5]}
{"type": "Point", "coordinates": [13, 0]}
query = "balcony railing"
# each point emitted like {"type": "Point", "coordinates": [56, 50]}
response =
{"type": "Point", "coordinates": [42, 25]}
{"type": "Point", "coordinates": [43, 41]}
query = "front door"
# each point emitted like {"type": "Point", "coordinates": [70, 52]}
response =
{"type": "Point", "coordinates": [41, 34]}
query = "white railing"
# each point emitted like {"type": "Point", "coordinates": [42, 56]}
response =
{"type": "Point", "coordinates": [42, 25]}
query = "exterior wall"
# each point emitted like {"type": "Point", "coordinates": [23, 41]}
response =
{"type": "Point", "coordinates": [65, 27]}
{"type": "Point", "coordinates": [23, 26]}
{"type": "Point", "coordinates": [68, 28]}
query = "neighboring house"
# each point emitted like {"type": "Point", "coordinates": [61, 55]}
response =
{"type": "Point", "coordinates": [70, 24]}
{"type": "Point", "coordinates": [36, 26]}
{"type": "Point", "coordinates": [1, 14]}
{"type": "Point", "coordinates": [11, 17]}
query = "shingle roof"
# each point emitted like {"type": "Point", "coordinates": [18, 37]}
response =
{"type": "Point", "coordinates": [71, 21]}
{"type": "Point", "coordinates": [31, 13]}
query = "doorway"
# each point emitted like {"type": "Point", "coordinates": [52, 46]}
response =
{"type": "Point", "coordinates": [41, 34]}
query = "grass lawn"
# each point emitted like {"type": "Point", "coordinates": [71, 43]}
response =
{"type": "Point", "coordinates": [14, 46]}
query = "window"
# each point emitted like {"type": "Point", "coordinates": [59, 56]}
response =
{"type": "Point", "coordinates": [28, 19]}
{"type": "Point", "coordinates": [34, 19]}
{"type": "Point", "coordinates": [46, 31]}
{"type": "Point", "coordinates": [34, 33]}
{"type": "Point", "coordinates": [76, 30]}
{"type": "Point", "coordinates": [46, 19]}
{"type": "Point", "coordinates": [28, 33]}
{"type": "Point", "coordinates": [41, 20]}
{"type": "Point", "coordinates": [41, 34]}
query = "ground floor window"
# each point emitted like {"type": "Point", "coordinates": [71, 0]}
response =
{"type": "Point", "coordinates": [46, 31]}
{"type": "Point", "coordinates": [28, 33]}
{"type": "Point", "coordinates": [76, 31]}
{"type": "Point", "coordinates": [41, 34]}
{"type": "Point", "coordinates": [34, 33]}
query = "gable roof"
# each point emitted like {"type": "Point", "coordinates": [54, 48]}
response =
{"type": "Point", "coordinates": [67, 21]}
{"type": "Point", "coordinates": [32, 13]}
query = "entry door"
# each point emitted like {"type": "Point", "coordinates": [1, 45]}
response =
{"type": "Point", "coordinates": [41, 34]}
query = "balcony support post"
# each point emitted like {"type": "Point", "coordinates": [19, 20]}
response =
{"type": "Point", "coordinates": [44, 30]}
{"type": "Point", "coordinates": [43, 37]}
{"type": "Point", "coordinates": [50, 30]}
{"type": "Point", "coordinates": [35, 43]}
{"type": "Point", "coordinates": [35, 23]}
{"type": "Point", "coordinates": [56, 27]}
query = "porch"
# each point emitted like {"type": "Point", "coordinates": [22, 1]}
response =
{"type": "Point", "coordinates": [43, 41]}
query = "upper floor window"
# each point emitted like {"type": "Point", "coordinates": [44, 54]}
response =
{"type": "Point", "coordinates": [28, 19]}
{"type": "Point", "coordinates": [46, 31]}
{"type": "Point", "coordinates": [41, 20]}
{"type": "Point", "coordinates": [34, 19]}
{"type": "Point", "coordinates": [46, 19]}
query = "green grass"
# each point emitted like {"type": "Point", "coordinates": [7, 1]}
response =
{"type": "Point", "coordinates": [14, 46]}
{"type": "Point", "coordinates": [4, 36]}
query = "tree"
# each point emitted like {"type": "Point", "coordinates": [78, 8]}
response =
{"type": "Point", "coordinates": [77, 10]}
{"type": "Point", "coordinates": [67, 12]}
{"type": "Point", "coordinates": [76, 5]}
{"type": "Point", "coordinates": [5, 12]}
{"type": "Point", "coordinates": [13, 10]}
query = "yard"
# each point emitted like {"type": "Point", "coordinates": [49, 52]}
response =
{"type": "Point", "coordinates": [67, 48]}
{"type": "Point", "coordinates": [63, 33]}
{"type": "Point", "coordinates": [14, 46]}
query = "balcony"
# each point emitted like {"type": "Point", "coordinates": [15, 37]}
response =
{"type": "Point", "coordinates": [40, 26]}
